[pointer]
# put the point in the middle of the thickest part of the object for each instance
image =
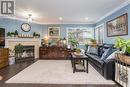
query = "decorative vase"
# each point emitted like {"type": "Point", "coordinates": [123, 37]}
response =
{"type": "Point", "coordinates": [16, 35]}
{"type": "Point", "coordinates": [13, 35]}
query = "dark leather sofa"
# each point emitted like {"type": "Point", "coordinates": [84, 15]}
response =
{"type": "Point", "coordinates": [105, 67]}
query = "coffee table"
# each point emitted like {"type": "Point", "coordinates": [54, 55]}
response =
{"type": "Point", "coordinates": [82, 59]}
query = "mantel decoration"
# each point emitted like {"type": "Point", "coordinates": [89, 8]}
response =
{"type": "Point", "coordinates": [118, 26]}
{"type": "Point", "coordinates": [36, 35]}
{"type": "Point", "coordinates": [13, 34]}
{"type": "Point", "coordinates": [16, 34]}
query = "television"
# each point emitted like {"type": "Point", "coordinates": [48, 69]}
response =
{"type": "Point", "coordinates": [2, 37]}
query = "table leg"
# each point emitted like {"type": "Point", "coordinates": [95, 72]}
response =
{"type": "Point", "coordinates": [74, 67]}
{"type": "Point", "coordinates": [72, 62]}
{"type": "Point", "coordinates": [83, 62]}
{"type": "Point", "coordinates": [87, 66]}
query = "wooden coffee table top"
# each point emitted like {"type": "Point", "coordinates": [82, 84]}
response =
{"type": "Point", "coordinates": [79, 56]}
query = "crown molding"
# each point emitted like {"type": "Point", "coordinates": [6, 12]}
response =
{"type": "Point", "coordinates": [51, 23]}
{"type": "Point", "coordinates": [113, 11]}
{"type": "Point", "coordinates": [66, 23]}
{"type": "Point", "coordinates": [20, 19]}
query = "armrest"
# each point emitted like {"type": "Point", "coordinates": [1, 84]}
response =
{"type": "Point", "coordinates": [109, 61]}
{"type": "Point", "coordinates": [109, 69]}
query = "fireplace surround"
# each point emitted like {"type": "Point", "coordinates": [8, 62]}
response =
{"type": "Point", "coordinates": [12, 42]}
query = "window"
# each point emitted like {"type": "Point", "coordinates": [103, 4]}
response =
{"type": "Point", "coordinates": [82, 35]}
{"type": "Point", "coordinates": [99, 33]}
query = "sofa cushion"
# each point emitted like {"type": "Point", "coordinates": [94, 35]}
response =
{"type": "Point", "coordinates": [95, 59]}
{"type": "Point", "coordinates": [92, 56]}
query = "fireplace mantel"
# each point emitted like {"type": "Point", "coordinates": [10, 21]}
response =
{"type": "Point", "coordinates": [22, 39]}
{"type": "Point", "coordinates": [11, 42]}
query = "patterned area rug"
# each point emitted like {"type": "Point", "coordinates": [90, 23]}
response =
{"type": "Point", "coordinates": [57, 72]}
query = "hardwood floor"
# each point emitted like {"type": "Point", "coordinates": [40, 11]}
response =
{"type": "Point", "coordinates": [12, 70]}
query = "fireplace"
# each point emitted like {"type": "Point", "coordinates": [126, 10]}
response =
{"type": "Point", "coordinates": [12, 42]}
{"type": "Point", "coordinates": [27, 55]}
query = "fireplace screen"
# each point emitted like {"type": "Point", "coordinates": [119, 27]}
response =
{"type": "Point", "coordinates": [28, 54]}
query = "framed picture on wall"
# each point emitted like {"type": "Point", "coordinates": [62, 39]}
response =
{"type": "Point", "coordinates": [118, 26]}
{"type": "Point", "coordinates": [54, 32]}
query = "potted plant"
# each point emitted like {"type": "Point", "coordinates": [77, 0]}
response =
{"type": "Point", "coordinates": [8, 34]}
{"type": "Point", "coordinates": [72, 40]}
{"type": "Point", "coordinates": [16, 33]}
{"type": "Point", "coordinates": [78, 50]}
{"type": "Point", "coordinates": [12, 34]}
{"type": "Point", "coordinates": [36, 35]}
{"type": "Point", "coordinates": [123, 47]}
{"type": "Point", "coordinates": [18, 50]}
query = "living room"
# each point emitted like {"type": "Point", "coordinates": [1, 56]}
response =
{"type": "Point", "coordinates": [64, 43]}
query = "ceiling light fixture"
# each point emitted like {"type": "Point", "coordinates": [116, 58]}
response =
{"type": "Point", "coordinates": [29, 19]}
{"type": "Point", "coordinates": [60, 18]}
{"type": "Point", "coordinates": [86, 18]}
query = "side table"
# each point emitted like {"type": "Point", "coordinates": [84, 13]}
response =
{"type": "Point", "coordinates": [82, 59]}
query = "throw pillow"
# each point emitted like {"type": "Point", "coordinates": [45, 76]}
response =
{"type": "Point", "coordinates": [92, 50]}
{"type": "Point", "coordinates": [106, 53]}
{"type": "Point", "coordinates": [82, 51]}
{"type": "Point", "coordinates": [112, 56]}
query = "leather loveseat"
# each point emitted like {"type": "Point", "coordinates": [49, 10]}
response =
{"type": "Point", "coordinates": [106, 67]}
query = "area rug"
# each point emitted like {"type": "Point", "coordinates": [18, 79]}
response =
{"type": "Point", "coordinates": [57, 72]}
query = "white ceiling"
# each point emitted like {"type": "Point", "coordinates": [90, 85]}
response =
{"type": "Point", "coordinates": [72, 11]}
